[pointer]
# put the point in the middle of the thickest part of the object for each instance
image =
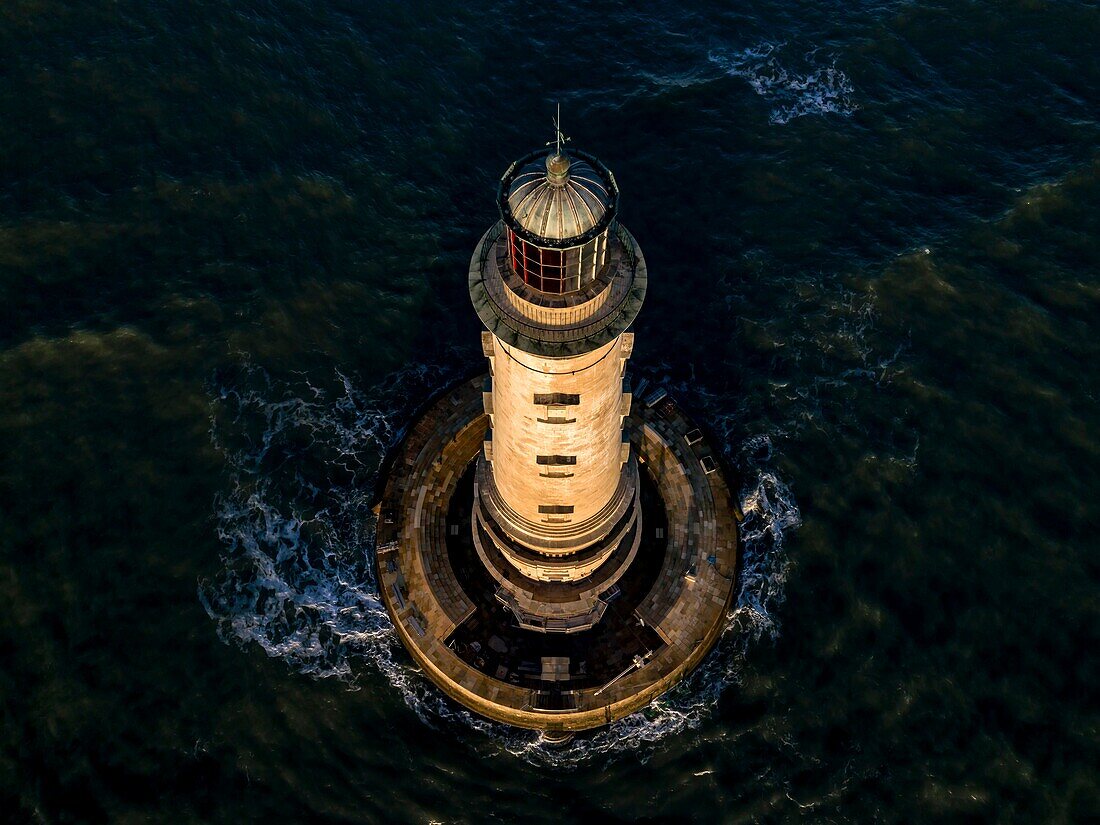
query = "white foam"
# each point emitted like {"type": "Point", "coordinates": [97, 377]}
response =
{"type": "Point", "coordinates": [794, 87]}
{"type": "Point", "coordinates": [298, 579]}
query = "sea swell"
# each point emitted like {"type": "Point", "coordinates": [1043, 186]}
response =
{"type": "Point", "coordinates": [298, 542]}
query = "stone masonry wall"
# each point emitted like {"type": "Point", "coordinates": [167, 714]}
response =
{"type": "Point", "coordinates": [591, 432]}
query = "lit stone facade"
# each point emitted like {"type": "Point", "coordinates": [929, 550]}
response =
{"type": "Point", "coordinates": [557, 282]}
{"type": "Point", "coordinates": [557, 442]}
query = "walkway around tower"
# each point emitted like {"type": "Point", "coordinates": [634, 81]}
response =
{"type": "Point", "coordinates": [659, 624]}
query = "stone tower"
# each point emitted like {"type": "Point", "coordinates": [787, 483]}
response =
{"type": "Point", "coordinates": [600, 522]}
{"type": "Point", "coordinates": [557, 283]}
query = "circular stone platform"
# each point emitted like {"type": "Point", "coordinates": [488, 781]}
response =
{"type": "Point", "coordinates": [657, 621]}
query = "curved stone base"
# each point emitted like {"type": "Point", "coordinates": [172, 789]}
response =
{"type": "Point", "coordinates": [658, 617]}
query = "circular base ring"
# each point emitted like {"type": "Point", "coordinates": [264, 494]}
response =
{"type": "Point", "coordinates": [658, 631]}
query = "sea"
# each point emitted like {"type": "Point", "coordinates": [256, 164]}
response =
{"type": "Point", "coordinates": [234, 240]}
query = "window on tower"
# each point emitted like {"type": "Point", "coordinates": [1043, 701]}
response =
{"type": "Point", "coordinates": [556, 466]}
{"type": "Point", "coordinates": [565, 399]}
{"type": "Point", "coordinates": [557, 407]}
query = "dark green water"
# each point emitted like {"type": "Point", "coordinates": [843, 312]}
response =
{"type": "Point", "coordinates": [233, 248]}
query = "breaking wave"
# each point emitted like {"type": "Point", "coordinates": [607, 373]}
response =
{"type": "Point", "coordinates": [298, 537]}
{"type": "Point", "coordinates": [296, 525]}
{"type": "Point", "coordinates": [794, 88]}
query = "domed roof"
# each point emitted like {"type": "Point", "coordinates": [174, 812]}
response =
{"type": "Point", "coordinates": [559, 197]}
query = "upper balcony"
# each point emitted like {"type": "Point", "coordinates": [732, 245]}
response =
{"type": "Point", "coordinates": [557, 325]}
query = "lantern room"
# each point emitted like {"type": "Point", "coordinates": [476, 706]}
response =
{"type": "Point", "coordinates": [558, 210]}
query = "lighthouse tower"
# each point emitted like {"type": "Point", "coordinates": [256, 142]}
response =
{"type": "Point", "coordinates": [557, 283]}
{"type": "Point", "coordinates": [554, 552]}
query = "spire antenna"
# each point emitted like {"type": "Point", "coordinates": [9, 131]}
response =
{"type": "Point", "coordinates": [557, 164]}
{"type": "Point", "coordinates": [557, 127]}
{"type": "Point", "coordinates": [559, 138]}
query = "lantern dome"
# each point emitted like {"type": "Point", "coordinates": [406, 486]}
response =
{"type": "Point", "coordinates": [559, 198]}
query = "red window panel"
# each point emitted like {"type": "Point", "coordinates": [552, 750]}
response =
{"type": "Point", "coordinates": [547, 270]}
{"type": "Point", "coordinates": [552, 274]}
{"type": "Point", "coordinates": [532, 263]}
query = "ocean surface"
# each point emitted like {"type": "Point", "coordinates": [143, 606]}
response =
{"type": "Point", "coordinates": [233, 250]}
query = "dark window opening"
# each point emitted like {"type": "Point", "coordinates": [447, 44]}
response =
{"type": "Point", "coordinates": [556, 460]}
{"type": "Point", "coordinates": [557, 399]}
{"type": "Point", "coordinates": [556, 509]}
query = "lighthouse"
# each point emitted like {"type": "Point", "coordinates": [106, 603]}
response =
{"type": "Point", "coordinates": [557, 282]}
{"type": "Point", "coordinates": [555, 548]}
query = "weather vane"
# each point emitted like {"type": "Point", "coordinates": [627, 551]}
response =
{"type": "Point", "coordinates": [559, 138]}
